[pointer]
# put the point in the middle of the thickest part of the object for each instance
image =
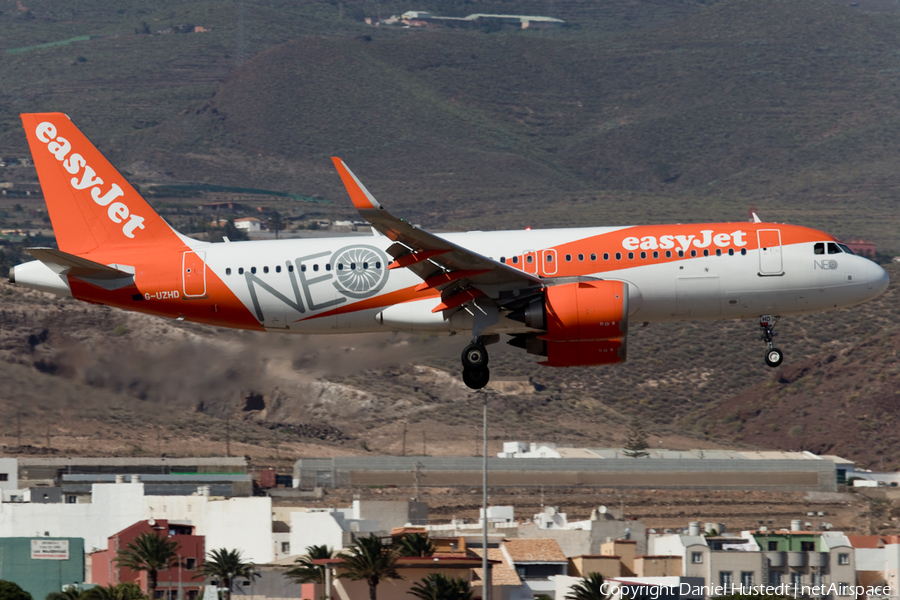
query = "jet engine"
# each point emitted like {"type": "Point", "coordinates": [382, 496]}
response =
{"type": "Point", "coordinates": [584, 324]}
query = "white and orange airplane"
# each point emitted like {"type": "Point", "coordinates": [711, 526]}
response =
{"type": "Point", "coordinates": [564, 294]}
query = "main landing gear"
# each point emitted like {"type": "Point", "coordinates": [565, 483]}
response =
{"type": "Point", "coordinates": [475, 364]}
{"type": "Point", "coordinates": [774, 356]}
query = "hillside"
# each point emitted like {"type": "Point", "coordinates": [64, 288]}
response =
{"type": "Point", "coordinates": [693, 385]}
{"type": "Point", "coordinates": [638, 112]}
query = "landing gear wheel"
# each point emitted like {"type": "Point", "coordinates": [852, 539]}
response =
{"type": "Point", "coordinates": [474, 357]}
{"type": "Point", "coordinates": [476, 378]}
{"type": "Point", "coordinates": [774, 357]}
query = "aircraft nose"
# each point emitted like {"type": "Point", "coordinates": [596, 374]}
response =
{"type": "Point", "coordinates": [877, 278]}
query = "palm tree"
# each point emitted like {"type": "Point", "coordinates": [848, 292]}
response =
{"type": "Point", "coordinates": [122, 591]}
{"type": "Point", "coordinates": [437, 586]}
{"type": "Point", "coordinates": [416, 544]}
{"type": "Point", "coordinates": [151, 553]}
{"type": "Point", "coordinates": [307, 572]}
{"type": "Point", "coordinates": [591, 588]}
{"type": "Point", "coordinates": [370, 560]}
{"type": "Point", "coordinates": [226, 565]}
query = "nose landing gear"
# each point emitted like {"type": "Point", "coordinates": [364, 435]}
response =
{"type": "Point", "coordinates": [475, 364]}
{"type": "Point", "coordinates": [774, 356]}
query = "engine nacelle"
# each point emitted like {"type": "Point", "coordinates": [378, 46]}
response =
{"type": "Point", "coordinates": [585, 323]}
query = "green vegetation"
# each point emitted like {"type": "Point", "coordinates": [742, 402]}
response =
{"type": "Point", "coordinates": [369, 560]}
{"type": "Point", "coordinates": [437, 586]}
{"type": "Point", "coordinates": [591, 588]}
{"type": "Point", "coordinates": [11, 591]}
{"type": "Point", "coordinates": [224, 565]}
{"type": "Point", "coordinates": [415, 544]}
{"type": "Point", "coordinates": [150, 553]}
{"type": "Point", "coordinates": [304, 571]}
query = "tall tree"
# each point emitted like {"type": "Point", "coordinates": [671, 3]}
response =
{"type": "Point", "coordinates": [11, 591]}
{"type": "Point", "coordinates": [370, 560]}
{"type": "Point", "coordinates": [151, 553]}
{"type": "Point", "coordinates": [226, 565]}
{"type": "Point", "coordinates": [591, 588]}
{"type": "Point", "coordinates": [636, 445]}
{"type": "Point", "coordinates": [437, 586]}
{"type": "Point", "coordinates": [121, 591]}
{"type": "Point", "coordinates": [415, 544]}
{"type": "Point", "coordinates": [304, 571]}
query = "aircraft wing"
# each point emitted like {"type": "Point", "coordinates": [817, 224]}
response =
{"type": "Point", "coordinates": [441, 264]}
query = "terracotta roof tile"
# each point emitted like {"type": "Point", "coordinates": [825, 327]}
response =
{"type": "Point", "coordinates": [546, 550]}
{"type": "Point", "coordinates": [501, 574]}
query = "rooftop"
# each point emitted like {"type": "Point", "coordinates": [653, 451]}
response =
{"type": "Point", "coordinates": [539, 550]}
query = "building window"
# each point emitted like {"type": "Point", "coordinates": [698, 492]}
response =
{"type": "Point", "coordinates": [843, 559]}
{"type": "Point", "coordinates": [726, 578]}
{"type": "Point", "coordinates": [696, 558]}
{"type": "Point", "coordinates": [807, 546]}
{"type": "Point", "coordinates": [285, 547]}
{"type": "Point", "coordinates": [190, 564]}
{"type": "Point", "coordinates": [746, 579]}
{"type": "Point", "coordinates": [71, 499]}
{"type": "Point", "coordinates": [774, 578]}
{"type": "Point", "coordinates": [796, 580]}
{"type": "Point", "coordinates": [773, 546]}
{"type": "Point", "coordinates": [4, 476]}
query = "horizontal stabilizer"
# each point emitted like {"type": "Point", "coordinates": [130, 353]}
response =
{"type": "Point", "coordinates": [63, 263]}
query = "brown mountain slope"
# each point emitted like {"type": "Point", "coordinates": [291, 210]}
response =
{"type": "Point", "coordinates": [843, 401]}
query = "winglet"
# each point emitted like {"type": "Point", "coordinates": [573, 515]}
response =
{"type": "Point", "coordinates": [359, 195]}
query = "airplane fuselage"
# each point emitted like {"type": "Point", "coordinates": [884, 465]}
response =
{"type": "Point", "coordinates": [342, 284]}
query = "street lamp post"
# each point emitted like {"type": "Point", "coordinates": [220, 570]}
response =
{"type": "Point", "coordinates": [485, 565]}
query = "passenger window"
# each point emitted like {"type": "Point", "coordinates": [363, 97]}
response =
{"type": "Point", "coordinates": [278, 268]}
{"type": "Point", "coordinates": [503, 259]}
{"type": "Point", "coordinates": [731, 252]}
{"type": "Point", "coordinates": [340, 266]}
{"type": "Point", "coordinates": [631, 256]}
{"type": "Point", "coordinates": [668, 254]}
{"type": "Point", "coordinates": [706, 253]}
{"type": "Point", "coordinates": [581, 258]}
{"type": "Point", "coordinates": [833, 248]}
{"type": "Point", "coordinates": [265, 269]}
{"type": "Point", "coordinates": [365, 266]}
{"type": "Point", "coordinates": [593, 256]}
{"type": "Point", "coordinates": [681, 254]}
{"type": "Point", "coordinates": [253, 270]}
{"type": "Point", "coordinates": [693, 253]}
{"type": "Point", "coordinates": [655, 254]}
{"type": "Point", "coordinates": [228, 271]}
{"type": "Point", "coordinates": [327, 266]}
{"type": "Point", "coordinates": [378, 264]}
{"type": "Point", "coordinates": [315, 267]}
{"type": "Point", "coordinates": [819, 248]}
{"type": "Point", "coordinates": [568, 258]}
{"type": "Point", "coordinates": [618, 256]}
{"type": "Point", "coordinates": [606, 256]}
{"type": "Point", "coordinates": [302, 268]}
{"type": "Point", "coordinates": [548, 258]}
{"type": "Point", "coordinates": [529, 259]}
{"type": "Point", "coordinates": [515, 260]}
{"type": "Point", "coordinates": [241, 271]}
{"type": "Point", "coordinates": [643, 255]}
{"type": "Point", "coordinates": [718, 252]}
{"type": "Point", "coordinates": [743, 252]}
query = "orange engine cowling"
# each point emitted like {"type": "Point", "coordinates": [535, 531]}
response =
{"type": "Point", "coordinates": [586, 323]}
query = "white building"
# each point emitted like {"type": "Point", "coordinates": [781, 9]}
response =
{"type": "Point", "coordinates": [251, 224]}
{"type": "Point", "coordinates": [336, 527]}
{"type": "Point", "coordinates": [243, 524]}
{"type": "Point", "coordinates": [9, 478]}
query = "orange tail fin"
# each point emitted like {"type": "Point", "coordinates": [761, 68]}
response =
{"type": "Point", "coordinates": [91, 205]}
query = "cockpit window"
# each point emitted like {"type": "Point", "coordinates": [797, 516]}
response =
{"type": "Point", "coordinates": [833, 248]}
{"type": "Point", "coordinates": [819, 248]}
{"type": "Point", "coordinates": [846, 249]}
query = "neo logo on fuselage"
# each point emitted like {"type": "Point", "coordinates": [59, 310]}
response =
{"type": "Point", "coordinates": [356, 272]}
